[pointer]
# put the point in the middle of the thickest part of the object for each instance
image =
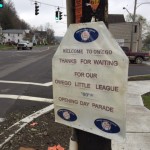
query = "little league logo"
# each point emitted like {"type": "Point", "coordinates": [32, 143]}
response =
{"type": "Point", "coordinates": [85, 35]}
{"type": "Point", "coordinates": [67, 115]}
{"type": "Point", "coordinates": [107, 126]}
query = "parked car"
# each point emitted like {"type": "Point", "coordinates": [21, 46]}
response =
{"type": "Point", "coordinates": [136, 57]}
{"type": "Point", "coordinates": [24, 45]}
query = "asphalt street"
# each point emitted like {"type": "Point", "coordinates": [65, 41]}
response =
{"type": "Point", "coordinates": [28, 67]}
{"type": "Point", "coordinates": [141, 69]}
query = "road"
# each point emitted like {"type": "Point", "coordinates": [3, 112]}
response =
{"type": "Point", "coordinates": [29, 68]}
{"type": "Point", "coordinates": [141, 69]}
{"type": "Point", "coordinates": [31, 73]}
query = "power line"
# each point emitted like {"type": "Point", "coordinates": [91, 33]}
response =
{"type": "Point", "coordinates": [48, 4]}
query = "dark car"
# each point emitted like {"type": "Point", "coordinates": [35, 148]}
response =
{"type": "Point", "coordinates": [136, 57]}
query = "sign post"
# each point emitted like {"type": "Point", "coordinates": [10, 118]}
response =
{"type": "Point", "coordinates": [90, 73]}
{"type": "Point", "coordinates": [90, 78]}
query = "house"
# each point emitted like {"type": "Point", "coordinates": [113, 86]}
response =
{"type": "Point", "coordinates": [122, 30]}
{"type": "Point", "coordinates": [14, 35]}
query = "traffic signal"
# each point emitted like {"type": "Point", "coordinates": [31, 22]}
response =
{"type": "Point", "coordinates": [60, 15]}
{"type": "Point", "coordinates": [57, 15]}
{"type": "Point", "coordinates": [1, 4]}
{"type": "Point", "coordinates": [36, 9]}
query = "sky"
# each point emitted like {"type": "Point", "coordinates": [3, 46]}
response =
{"type": "Point", "coordinates": [26, 11]}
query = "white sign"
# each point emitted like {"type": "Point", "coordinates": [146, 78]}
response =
{"type": "Point", "coordinates": [90, 73]}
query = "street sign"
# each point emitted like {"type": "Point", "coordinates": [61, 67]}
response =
{"type": "Point", "coordinates": [90, 73]}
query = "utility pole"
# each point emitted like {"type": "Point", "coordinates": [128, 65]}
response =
{"type": "Point", "coordinates": [70, 12]}
{"type": "Point", "coordinates": [76, 12]}
{"type": "Point", "coordinates": [134, 15]}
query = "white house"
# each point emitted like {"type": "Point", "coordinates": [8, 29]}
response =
{"type": "Point", "coordinates": [14, 35]}
{"type": "Point", "coordinates": [121, 31]}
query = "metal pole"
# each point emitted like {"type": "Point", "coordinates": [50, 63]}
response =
{"type": "Point", "coordinates": [128, 13]}
{"type": "Point", "coordinates": [134, 14]}
{"type": "Point", "coordinates": [70, 12]}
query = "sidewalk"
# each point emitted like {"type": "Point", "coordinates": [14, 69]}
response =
{"type": "Point", "coordinates": [146, 62]}
{"type": "Point", "coordinates": [138, 119]}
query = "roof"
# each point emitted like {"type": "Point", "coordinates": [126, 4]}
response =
{"type": "Point", "coordinates": [115, 18]}
{"type": "Point", "coordinates": [13, 31]}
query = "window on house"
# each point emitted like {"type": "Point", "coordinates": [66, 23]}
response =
{"type": "Point", "coordinates": [135, 29]}
{"type": "Point", "coordinates": [8, 34]}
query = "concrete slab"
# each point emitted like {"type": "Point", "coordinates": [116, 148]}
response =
{"type": "Point", "coordinates": [134, 99]}
{"type": "Point", "coordinates": [134, 141]}
{"type": "Point", "coordinates": [138, 119]}
{"type": "Point", "coordinates": [146, 62]}
{"type": "Point", "coordinates": [138, 87]}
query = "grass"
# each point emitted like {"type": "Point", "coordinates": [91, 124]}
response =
{"type": "Point", "coordinates": [138, 78]}
{"type": "Point", "coordinates": [146, 100]}
{"type": "Point", "coordinates": [6, 47]}
{"type": "Point", "coordinates": [145, 97]}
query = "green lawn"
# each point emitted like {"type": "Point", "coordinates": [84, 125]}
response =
{"type": "Point", "coordinates": [145, 97]}
{"type": "Point", "coordinates": [6, 47]}
{"type": "Point", "coordinates": [146, 100]}
{"type": "Point", "coordinates": [146, 77]}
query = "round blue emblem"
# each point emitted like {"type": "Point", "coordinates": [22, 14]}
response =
{"type": "Point", "coordinates": [107, 126]}
{"type": "Point", "coordinates": [86, 35]}
{"type": "Point", "coordinates": [67, 115]}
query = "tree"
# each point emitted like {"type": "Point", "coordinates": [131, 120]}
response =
{"type": "Point", "coordinates": [146, 41]}
{"type": "Point", "coordinates": [50, 32]}
{"type": "Point", "coordinates": [9, 18]}
{"type": "Point", "coordinates": [50, 35]}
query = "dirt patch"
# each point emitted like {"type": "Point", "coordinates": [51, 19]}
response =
{"type": "Point", "coordinates": [44, 133]}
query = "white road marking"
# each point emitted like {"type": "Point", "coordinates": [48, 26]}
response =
{"type": "Point", "coordinates": [48, 84]}
{"type": "Point", "coordinates": [22, 123]}
{"type": "Point", "coordinates": [29, 98]}
{"type": "Point", "coordinates": [14, 129]}
{"type": "Point", "coordinates": [9, 96]}
{"type": "Point", "coordinates": [27, 83]}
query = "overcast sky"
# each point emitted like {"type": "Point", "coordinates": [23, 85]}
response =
{"type": "Point", "coordinates": [26, 11]}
